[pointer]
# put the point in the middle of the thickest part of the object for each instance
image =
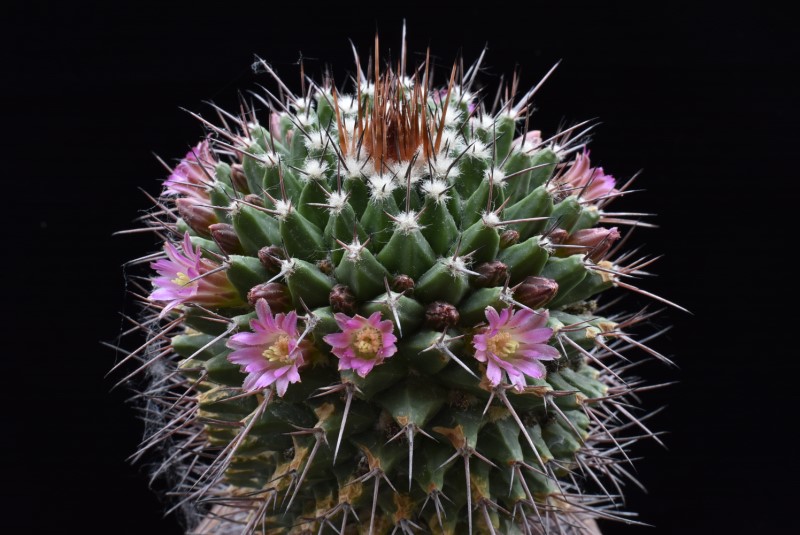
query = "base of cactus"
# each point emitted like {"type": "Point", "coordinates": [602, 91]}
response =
{"type": "Point", "coordinates": [223, 520]}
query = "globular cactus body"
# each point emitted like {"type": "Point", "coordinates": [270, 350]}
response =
{"type": "Point", "coordinates": [379, 314]}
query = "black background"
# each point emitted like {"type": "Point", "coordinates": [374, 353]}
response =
{"type": "Point", "coordinates": [698, 97]}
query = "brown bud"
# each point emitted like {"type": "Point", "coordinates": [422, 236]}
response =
{"type": "Point", "coordinates": [325, 265]}
{"type": "Point", "coordinates": [440, 316]}
{"type": "Point", "coordinates": [270, 258]}
{"type": "Point", "coordinates": [557, 236]}
{"type": "Point", "coordinates": [508, 238]}
{"type": "Point", "coordinates": [238, 178]}
{"type": "Point", "coordinates": [535, 292]}
{"type": "Point", "coordinates": [491, 274]}
{"type": "Point", "coordinates": [343, 300]}
{"type": "Point", "coordinates": [276, 294]}
{"type": "Point", "coordinates": [197, 216]}
{"type": "Point", "coordinates": [596, 241]}
{"type": "Point", "coordinates": [402, 283]}
{"type": "Point", "coordinates": [226, 238]}
{"type": "Point", "coordinates": [255, 200]}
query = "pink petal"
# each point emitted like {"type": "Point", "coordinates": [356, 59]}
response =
{"type": "Point", "coordinates": [531, 368]}
{"type": "Point", "coordinates": [337, 340]}
{"type": "Point", "coordinates": [247, 339]}
{"type": "Point", "coordinates": [535, 336]}
{"type": "Point", "coordinates": [493, 373]}
{"type": "Point", "coordinates": [492, 317]}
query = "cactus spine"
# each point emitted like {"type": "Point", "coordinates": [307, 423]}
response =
{"type": "Point", "coordinates": [377, 312]}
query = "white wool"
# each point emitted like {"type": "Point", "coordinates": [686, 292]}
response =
{"type": "Point", "coordinates": [315, 170]}
{"type": "Point", "coordinates": [353, 167]}
{"type": "Point", "coordinates": [490, 219]}
{"type": "Point", "coordinates": [348, 104]}
{"type": "Point", "coordinates": [406, 222]}
{"type": "Point", "coordinates": [485, 123]}
{"type": "Point", "coordinates": [436, 190]}
{"type": "Point", "coordinates": [443, 167]}
{"type": "Point", "coordinates": [282, 209]}
{"type": "Point", "coordinates": [336, 202]}
{"type": "Point", "coordinates": [381, 187]}
{"type": "Point", "coordinates": [495, 176]}
{"type": "Point", "coordinates": [475, 148]}
{"type": "Point", "coordinates": [300, 104]}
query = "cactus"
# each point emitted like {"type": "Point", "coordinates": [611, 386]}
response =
{"type": "Point", "coordinates": [377, 311]}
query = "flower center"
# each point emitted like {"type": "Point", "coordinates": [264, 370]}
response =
{"type": "Point", "coordinates": [367, 341]}
{"type": "Point", "coordinates": [279, 351]}
{"type": "Point", "coordinates": [182, 279]}
{"type": "Point", "coordinates": [502, 344]}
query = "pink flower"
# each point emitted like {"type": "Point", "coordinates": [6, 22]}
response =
{"type": "Point", "coordinates": [363, 343]}
{"type": "Point", "coordinates": [588, 182]}
{"type": "Point", "coordinates": [191, 176]}
{"type": "Point", "coordinates": [271, 353]}
{"type": "Point", "coordinates": [514, 343]}
{"type": "Point", "coordinates": [179, 279]}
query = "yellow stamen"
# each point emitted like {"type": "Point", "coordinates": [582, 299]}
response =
{"type": "Point", "coordinates": [367, 341]}
{"type": "Point", "coordinates": [182, 279]}
{"type": "Point", "coordinates": [279, 351]}
{"type": "Point", "coordinates": [502, 344]}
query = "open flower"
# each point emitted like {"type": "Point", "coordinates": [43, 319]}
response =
{"type": "Point", "coordinates": [191, 176]}
{"type": "Point", "coordinates": [590, 183]}
{"type": "Point", "coordinates": [271, 353]}
{"type": "Point", "coordinates": [363, 343]}
{"type": "Point", "coordinates": [185, 276]}
{"type": "Point", "coordinates": [514, 343]}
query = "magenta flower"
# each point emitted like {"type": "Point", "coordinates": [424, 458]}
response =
{"type": "Point", "coordinates": [183, 277]}
{"type": "Point", "coordinates": [589, 182]}
{"type": "Point", "coordinates": [191, 176]}
{"type": "Point", "coordinates": [363, 343]}
{"type": "Point", "coordinates": [514, 343]}
{"type": "Point", "coordinates": [271, 353]}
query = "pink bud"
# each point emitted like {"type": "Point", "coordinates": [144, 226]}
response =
{"type": "Point", "coordinates": [275, 294]}
{"type": "Point", "coordinates": [402, 283]}
{"type": "Point", "coordinates": [226, 238]}
{"type": "Point", "coordinates": [270, 258]}
{"type": "Point", "coordinates": [508, 238]}
{"type": "Point", "coordinates": [238, 178]}
{"type": "Point", "coordinates": [596, 241]}
{"type": "Point", "coordinates": [196, 215]}
{"type": "Point", "coordinates": [535, 292]}
{"type": "Point", "coordinates": [440, 316]}
{"type": "Point", "coordinates": [343, 300]}
{"type": "Point", "coordinates": [530, 140]}
{"type": "Point", "coordinates": [491, 274]}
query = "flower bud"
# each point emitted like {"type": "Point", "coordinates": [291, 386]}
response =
{"type": "Point", "coordinates": [508, 238]}
{"type": "Point", "coordinates": [253, 199]}
{"type": "Point", "coordinates": [275, 294]}
{"type": "Point", "coordinates": [535, 292]}
{"type": "Point", "coordinates": [402, 283]}
{"type": "Point", "coordinates": [557, 236]}
{"type": "Point", "coordinates": [197, 216]}
{"type": "Point", "coordinates": [238, 178]}
{"type": "Point", "coordinates": [491, 274]}
{"type": "Point", "coordinates": [270, 258]}
{"type": "Point", "coordinates": [226, 238]}
{"type": "Point", "coordinates": [343, 300]}
{"type": "Point", "coordinates": [532, 139]}
{"type": "Point", "coordinates": [597, 241]}
{"type": "Point", "coordinates": [325, 265]}
{"type": "Point", "coordinates": [440, 316]}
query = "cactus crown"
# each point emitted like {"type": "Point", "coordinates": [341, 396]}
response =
{"type": "Point", "coordinates": [378, 312]}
